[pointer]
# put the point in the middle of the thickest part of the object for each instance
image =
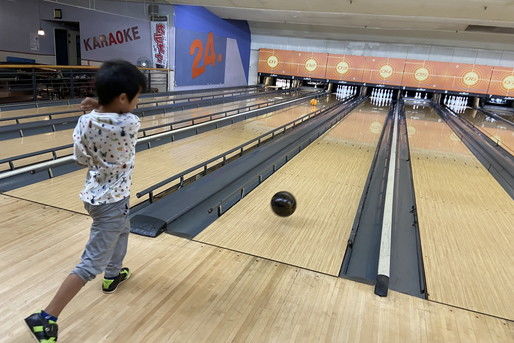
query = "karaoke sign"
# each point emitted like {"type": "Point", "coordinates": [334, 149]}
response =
{"type": "Point", "coordinates": [159, 43]}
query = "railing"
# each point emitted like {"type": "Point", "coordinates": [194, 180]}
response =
{"type": "Point", "coordinates": [50, 82]}
{"type": "Point", "coordinates": [74, 101]}
{"type": "Point", "coordinates": [202, 90]}
{"type": "Point", "coordinates": [49, 115]}
{"type": "Point", "coordinates": [200, 97]}
{"type": "Point", "coordinates": [222, 114]}
{"type": "Point", "coordinates": [222, 158]}
{"type": "Point", "coordinates": [141, 112]}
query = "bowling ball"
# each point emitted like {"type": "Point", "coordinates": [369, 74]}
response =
{"type": "Point", "coordinates": [283, 204]}
{"type": "Point", "coordinates": [314, 102]}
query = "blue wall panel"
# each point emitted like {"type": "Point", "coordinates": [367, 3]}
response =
{"type": "Point", "coordinates": [194, 23]}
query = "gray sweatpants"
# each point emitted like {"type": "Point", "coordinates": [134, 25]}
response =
{"type": "Point", "coordinates": [108, 240]}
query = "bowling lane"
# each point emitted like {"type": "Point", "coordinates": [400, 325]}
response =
{"type": "Point", "coordinates": [465, 220]}
{"type": "Point", "coordinates": [158, 163]}
{"type": "Point", "coordinates": [59, 108]}
{"type": "Point", "coordinates": [327, 179]}
{"type": "Point", "coordinates": [23, 145]}
{"type": "Point", "coordinates": [505, 114]}
{"type": "Point", "coordinates": [498, 131]}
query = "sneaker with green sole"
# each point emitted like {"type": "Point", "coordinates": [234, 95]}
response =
{"type": "Point", "coordinates": [43, 330]}
{"type": "Point", "coordinates": [110, 285]}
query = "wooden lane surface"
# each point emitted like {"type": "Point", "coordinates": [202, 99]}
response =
{"type": "Point", "coordinates": [185, 291]}
{"type": "Point", "coordinates": [498, 131]}
{"type": "Point", "coordinates": [509, 116]}
{"type": "Point", "coordinates": [465, 219]}
{"type": "Point", "coordinates": [158, 163]}
{"type": "Point", "coordinates": [327, 179]}
{"type": "Point", "coordinates": [23, 145]}
{"type": "Point", "coordinates": [50, 109]}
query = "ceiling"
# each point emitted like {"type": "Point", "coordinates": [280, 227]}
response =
{"type": "Point", "coordinates": [440, 22]}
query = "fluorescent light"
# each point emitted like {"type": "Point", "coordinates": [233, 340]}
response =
{"type": "Point", "coordinates": [41, 32]}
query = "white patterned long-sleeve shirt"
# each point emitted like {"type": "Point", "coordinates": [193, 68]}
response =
{"type": "Point", "coordinates": [106, 144]}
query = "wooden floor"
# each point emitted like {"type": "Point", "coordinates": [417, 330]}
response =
{"type": "Point", "coordinates": [158, 163]}
{"type": "Point", "coordinates": [23, 145]}
{"type": "Point", "coordinates": [465, 218]}
{"type": "Point", "coordinates": [59, 108]}
{"type": "Point", "coordinates": [498, 131]}
{"type": "Point", "coordinates": [186, 291]}
{"type": "Point", "coordinates": [327, 179]}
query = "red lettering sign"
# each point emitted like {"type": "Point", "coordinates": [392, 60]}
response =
{"type": "Point", "coordinates": [116, 37]}
{"type": "Point", "coordinates": [158, 38]}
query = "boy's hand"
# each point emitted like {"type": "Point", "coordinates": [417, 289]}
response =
{"type": "Point", "coordinates": [88, 104]}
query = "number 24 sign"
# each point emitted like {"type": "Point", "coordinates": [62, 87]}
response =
{"type": "Point", "coordinates": [209, 58]}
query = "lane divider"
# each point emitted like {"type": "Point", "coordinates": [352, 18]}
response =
{"type": "Point", "coordinates": [384, 260]}
{"type": "Point", "coordinates": [64, 160]}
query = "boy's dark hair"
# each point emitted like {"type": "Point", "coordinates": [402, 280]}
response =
{"type": "Point", "coordinates": [116, 77]}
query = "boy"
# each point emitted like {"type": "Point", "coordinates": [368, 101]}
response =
{"type": "Point", "coordinates": [105, 142]}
